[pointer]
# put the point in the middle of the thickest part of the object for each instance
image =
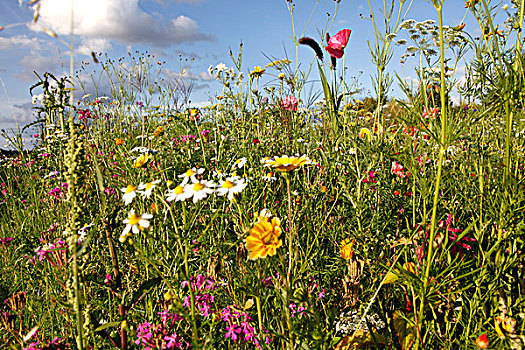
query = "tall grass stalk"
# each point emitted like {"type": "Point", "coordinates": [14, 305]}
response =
{"type": "Point", "coordinates": [438, 4]}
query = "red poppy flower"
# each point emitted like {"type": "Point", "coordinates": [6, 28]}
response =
{"type": "Point", "coordinates": [337, 43]}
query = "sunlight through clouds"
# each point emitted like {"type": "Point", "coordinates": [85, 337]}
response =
{"type": "Point", "coordinates": [120, 20]}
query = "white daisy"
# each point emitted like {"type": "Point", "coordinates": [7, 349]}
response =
{"type": "Point", "coordinates": [129, 194]}
{"type": "Point", "coordinates": [147, 188]}
{"type": "Point", "coordinates": [134, 223]}
{"type": "Point", "coordinates": [177, 194]}
{"type": "Point", "coordinates": [190, 174]}
{"type": "Point", "coordinates": [240, 162]}
{"type": "Point", "coordinates": [269, 177]}
{"type": "Point", "coordinates": [230, 186]}
{"type": "Point", "coordinates": [199, 189]}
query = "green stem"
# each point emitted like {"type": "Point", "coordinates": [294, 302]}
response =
{"type": "Point", "coordinates": [442, 148]}
{"type": "Point", "coordinates": [290, 262]}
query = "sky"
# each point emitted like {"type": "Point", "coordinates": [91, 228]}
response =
{"type": "Point", "coordinates": [202, 31]}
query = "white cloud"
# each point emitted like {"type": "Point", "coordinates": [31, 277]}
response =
{"type": "Point", "coordinates": [206, 76]}
{"type": "Point", "coordinates": [39, 63]}
{"type": "Point", "coordinates": [120, 20]}
{"type": "Point", "coordinates": [93, 45]}
{"type": "Point", "coordinates": [19, 41]}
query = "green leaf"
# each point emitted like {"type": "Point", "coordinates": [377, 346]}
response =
{"type": "Point", "coordinates": [107, 325]}
{"type": "Point", "coordinates": [405, 330]}
{"type": "Point", "coordinates": [144, 287]}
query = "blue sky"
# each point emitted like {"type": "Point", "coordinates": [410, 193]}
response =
{"type": "Point", "coordinates": [201, 29]}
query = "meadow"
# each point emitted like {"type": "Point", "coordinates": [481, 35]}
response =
{"type": "Point", "coordinates": [277, 217]}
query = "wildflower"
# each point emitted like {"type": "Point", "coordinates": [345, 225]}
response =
{"type": "Point", "coordinates": [269, 177]}
{"type": "Point", "coordinates": [286, 164]}
{"type": "Point", "coordinates": [338, 42]}
{"type": "Point", "coordinates": [129, 194]}
{"type": "Point", "coordinates": [158, 131]}
{"type": "Point", "coordinates": [199, 189]}
{"type": "Point", "coordinates": [263, 238]}
{"type": "Point", "coordinates": [119, 142]}
{"type": "Point", "coordinates": [240, 162]}
{"type": "Point", "coordinates": [257, 72]}
{"type": "Point", "coordinates": [347, 252]}
{"type": "Point", "coordinates": [398, 169]}
{"type": "Point", "coordinates": [177, 194]}
{"type": "Point", "coordinates": [504, 325]}
{"type": "Point", "coordinates": [194, 115]}
{"type": "Point", "coordinates": [364, 133]}
{"type": "Point", "coordinates": [141, 160]}
{"type": "Point", "coordinates": [190, 174]}
{"type": "Point", "coordinates": [134, 223]}
{"type": "Point", "coordinates": [483, 341]}
{"type": "Point", "coordinates": [280, 76]}
{"type": "Point", "coordinates": [146, 188]}
{"type": "Point", "coordinates": [230, 186]}
{"type": "Point", "coordinates": [289, 103]}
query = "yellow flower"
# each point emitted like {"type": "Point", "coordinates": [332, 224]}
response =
{"type": "Point", "coordinates": [346, 249]}
{"type": "Point", "coordinates": [364, 133]}
{"type": "Point", "coordinates": [281, 76]}
{"type": "Point", "coordinates": [257, 72]}
{"type": "Point", "coordinates": [286, 163]}
{"type": "Point", "coordinates": [504, 325]}
{"type": "Point", "coordinates": [119, 142]}
{"type": "Point", "coordinates": [158, 131]}
{"type": "Point", "coordinates": [264, 239]}
{"type": "Point", "coordinates": [140, 161]}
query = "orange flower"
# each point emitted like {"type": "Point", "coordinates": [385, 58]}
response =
{"type": "Point", "coordinates": [119, 142]}
{"type": "Point", "coordinates": [264, 238]}
{"type": "Point", "coordinates": [347, 252]}
{"type": "Point", "coordinates": [324, 189]}
{"type": "Point", "coordinates": [483, 341]}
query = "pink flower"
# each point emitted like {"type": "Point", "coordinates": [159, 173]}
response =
{"type": "Point", "coordinates": [337, 43]}
{"type": "Point", "coordinates": [398, 169]}
{"type": "Point", "coordinates": [289, 103]}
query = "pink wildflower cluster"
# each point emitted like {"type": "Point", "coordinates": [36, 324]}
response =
{"type": "Point", "coordinates": [184, 139]}
{"type": "Point", "coordinates": [289, 103]}
{"type": "Point", "coordinates": [58, 191]}
{"type": "Point", "coordinates": [297, 310]}
{"type": "Point", "coordinates": [201, 285]}
{"type": "Point", "coordinates": [5, 241]}
{"type": "Point", "coordinates": [239, 327]}
{"type": "Point", "coordinates": [157, 336]}
{"type": "Point", "coordinates": [399, 170]}
{"type": "Point", "coordinates": [84, 114]}
{"type": "Point", "coordinates": [55, 253]}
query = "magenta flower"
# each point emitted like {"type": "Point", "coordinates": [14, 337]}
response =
{"type": "Point", "coordinates": [337, 43]}
{"type": "Point", "coordinates": [289, 103]}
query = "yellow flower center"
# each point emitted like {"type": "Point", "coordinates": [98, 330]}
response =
{"type": "Point", "coordinates": [179, 190]}
{"type": "Point", "coordinates": [198, 187]}
{"type": "Point", "coordinates": [134, 219]}
{"type": "Point", "coordinates": [228, 184]}
{"type": "Point", "coordinates": [189, 173]}
{"type": "Point", "coordinates": [149, 185]}
{"type": "Point", "coordinates": [130, 188]}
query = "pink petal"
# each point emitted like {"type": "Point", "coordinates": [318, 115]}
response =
{"type": "Point", "coordinates": [340, 39]}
